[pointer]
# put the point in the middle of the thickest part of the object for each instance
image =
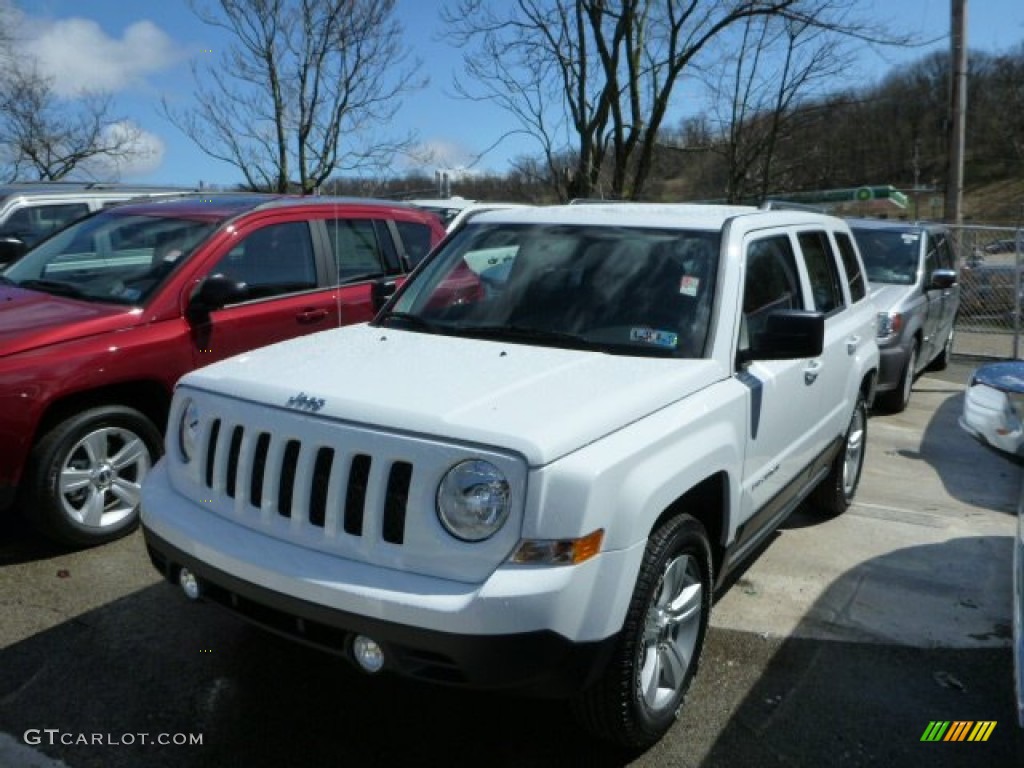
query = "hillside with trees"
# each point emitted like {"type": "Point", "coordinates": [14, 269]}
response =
{"type": "Point", "coordinates": [891, 132]}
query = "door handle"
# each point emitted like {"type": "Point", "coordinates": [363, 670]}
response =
{"type": "Point", "coordinates": [851, 345]}
{"type": "Point", "coordinates": [307, 316]}
{"type": "Point", "coordinates": [811, 372]}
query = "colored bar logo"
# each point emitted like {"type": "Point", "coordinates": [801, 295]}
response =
{"type": "Point", "coordinates": [958, 730]}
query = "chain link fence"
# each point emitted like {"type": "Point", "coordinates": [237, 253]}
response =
{"type": "Point", "coordinates": [991, 259]}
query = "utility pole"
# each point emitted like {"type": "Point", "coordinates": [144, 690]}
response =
{"type": "Point", "coordinates": [958, 113]}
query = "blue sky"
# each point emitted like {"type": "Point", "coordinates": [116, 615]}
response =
{"type": "Point", "coordinates": [140, 53]}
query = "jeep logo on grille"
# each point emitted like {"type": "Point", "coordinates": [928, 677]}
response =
{"type": "Point", "coordinates": [303, 402]}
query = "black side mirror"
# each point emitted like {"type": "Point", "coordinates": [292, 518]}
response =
{"type": "Point", "coordinates": [788, 334]}
{"type": "Point", "coordinates": [381, 291]}
{"type": "Point", "coordinates": [12, 248]}
{"type": "Point", "coordinates": [214, 292]}
{"type": "Point", "coordinates": [943, 279]}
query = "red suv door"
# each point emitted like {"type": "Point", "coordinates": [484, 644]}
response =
{"type": "Point", "coordinates": [284, 291]}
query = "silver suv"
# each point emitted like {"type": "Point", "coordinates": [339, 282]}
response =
{"type": "Point", "coordinates": [31, 211]}
{"type": "Point", "coordinates": [912, 271]}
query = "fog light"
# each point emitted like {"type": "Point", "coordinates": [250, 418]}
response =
{"type": "Point", "coordinates": [189, 583]}
{"type": "Point", "coordinates": [369, 655]}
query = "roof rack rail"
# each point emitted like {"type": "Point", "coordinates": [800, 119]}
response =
{"type": "Point", "coordinates": [786, 205]}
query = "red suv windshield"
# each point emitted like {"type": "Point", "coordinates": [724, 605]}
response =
{"type": "Point", "coordinates": [110, 257]}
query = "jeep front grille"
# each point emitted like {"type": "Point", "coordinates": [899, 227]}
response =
{"type": "Point", "coordinates": [243, 462]}
{"type": "Point", "coordinates": [364, 494]}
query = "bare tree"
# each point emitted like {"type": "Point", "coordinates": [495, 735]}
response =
{"type": "Point", "coordinates": [50, 138]}
{"type": "Point", "coordinates": [595, 79]}
{"type": "Point", "coordinates": [303, 90]}
{"type": "Point", "coordinates": [776, 62]}
{"type": "Point", "coordinates": [592, 77]}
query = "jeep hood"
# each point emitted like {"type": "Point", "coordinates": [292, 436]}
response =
{"type": "Point", "coordinates": [541, 402]}
{"type": "Point", "coordinates": [31, 319]}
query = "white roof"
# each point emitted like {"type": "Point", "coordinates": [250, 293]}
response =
{"type": "Point", "coordinates": [699, 216]}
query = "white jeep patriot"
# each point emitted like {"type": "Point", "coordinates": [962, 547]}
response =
{"type": "Point", "coordinates": [534, 467]}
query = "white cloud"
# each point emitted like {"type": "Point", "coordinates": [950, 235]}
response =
{"type": "Point", "coordinates": [435, 154]}
{"type": "Point", "coordinates": [146, 157]}
{"type": "Point", "coordinates": [80, 56]}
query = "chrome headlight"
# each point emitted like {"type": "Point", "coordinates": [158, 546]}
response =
{"type": "Point", "coordinates": [188, 430]}
{"type": "Point", "coordinates": [473, 500]}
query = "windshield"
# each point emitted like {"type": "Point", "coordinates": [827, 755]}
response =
{"type": "Point", "coordinates": [890, 256]}
{"type": "Point", "coordinates": [109, 257]}
{"type": "Point", "coordinates": [610, 289]}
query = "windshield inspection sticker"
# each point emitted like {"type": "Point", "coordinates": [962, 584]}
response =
{"type": "Point", "coordinates": [688, 285]}
{"type": "Point", "coordinates": [657, 338]}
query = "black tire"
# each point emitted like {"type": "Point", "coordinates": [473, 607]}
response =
{"type": "Point", "coordinates": [835, 493]}
{"type": "Point", "coordinates": [105, 453]}
{"type": "Point", "coordinates": [617, 707]}
{"type": "Point", "coordinates": [896, 400]}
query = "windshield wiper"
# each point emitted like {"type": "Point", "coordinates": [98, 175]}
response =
{"type": "Point", "coordinates": [412, 321]}
{"type": "Point", "coordinates": [523, 333]}
{"type": "Point", "coordinates": [52, 286]}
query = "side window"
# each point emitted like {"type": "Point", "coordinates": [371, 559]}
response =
{"type": "Point", "coordinates": [34, 223]}
{"type": "Point", "coordinates": [355, 248]}
{"type": "Point", "coordinates": [772, 282]}
{"type": "Point", "coordinates": [416, 238]}
{"type": "Point", "coordinates": [822, 271]}
{"type": "Point", "coordinates": [274, 260]}
{"type": "Point", "coordinates": [858, 289]}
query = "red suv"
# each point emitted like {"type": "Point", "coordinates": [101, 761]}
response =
{"type": "Point", "coordinates": [98, 322]}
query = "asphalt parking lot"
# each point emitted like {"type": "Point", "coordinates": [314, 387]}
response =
{"type": "Point", "coordinates": [838, 645]}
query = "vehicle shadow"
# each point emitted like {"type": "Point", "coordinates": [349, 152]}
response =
{"type": "Point", "coordinates": [152, 663]}
{"type": "Point", "coordinates": [19, 542]}
{"type": "Point", "coordinates": [968, 471]}
{"type": "Point", "coordinates": [805, 700]}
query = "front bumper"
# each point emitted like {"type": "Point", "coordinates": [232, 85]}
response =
{"type": "Point", "coordinates": [544, 630]}
{"type": "Point", "coordinates": [541, 662]}
{"type": "Point", "coordinates": [890, 367]}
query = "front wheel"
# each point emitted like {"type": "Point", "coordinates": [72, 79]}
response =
{"type": "Point", "coordinates": [641, 691]}
{"type": "Point", "coordinates": [896, 400]}
{"type": "Point", "coordinates": [835, 493]}
{"type": "Point", "coordinates": [86, 474]}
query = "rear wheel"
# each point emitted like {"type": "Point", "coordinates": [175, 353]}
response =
{"type": "Point", "coordinates": [86, 474]}
{"type": "Point", "coordinates": [835, 493]}
{"type": "Point", "coordinates": [640, 693]}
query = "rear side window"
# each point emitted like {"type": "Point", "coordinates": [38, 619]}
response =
{"type": "Point", "coordinates": [416, 239]}
{"type": "Point", "coordinates": [822, 271]}
{"type": "Point", "coordinates": [355, 248]}
{"type": "Point", "coordinates": [858, 289]}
